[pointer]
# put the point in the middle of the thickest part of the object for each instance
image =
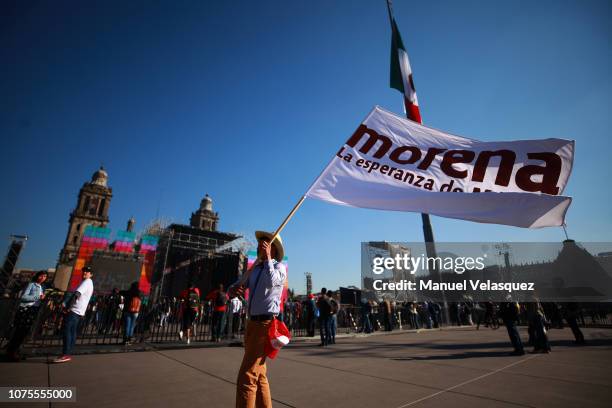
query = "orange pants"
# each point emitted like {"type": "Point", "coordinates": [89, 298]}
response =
{"type": "Point", "coordinates": [253, 389]}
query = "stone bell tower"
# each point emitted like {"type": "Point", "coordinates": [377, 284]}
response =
{"type": "Point", "coordinates": [205, 218]}
{"type": "Point", "coordinates": [91, 209]}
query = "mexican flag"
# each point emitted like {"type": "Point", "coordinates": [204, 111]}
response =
{"type": "Point", "coordinates": [401, 73]}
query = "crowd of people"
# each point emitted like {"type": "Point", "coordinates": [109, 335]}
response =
{"type": "Point", "coordinates": [220, 316]}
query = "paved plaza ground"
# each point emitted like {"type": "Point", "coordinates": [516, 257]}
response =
{"type": "Point", "coordinates": [456, 367]}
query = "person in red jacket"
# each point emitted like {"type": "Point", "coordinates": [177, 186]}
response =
{"type": "Point", "coordinates": [219, 299]}
{"type": "Point", "coordinates": [191, 305]}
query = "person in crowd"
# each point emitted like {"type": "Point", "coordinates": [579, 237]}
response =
{"type": "Point", "coordinates": [29, 305]}
{"type": "Point", "coordinates": [537, 319]}
{"type": "Point", "coordinates": [134, 302]}
{"type": "Point", "coordinates": [284, 298]}
{"type": "Point", "coordinates": [489, 313]}
{"type": "Point", "coordinates": [299, 320]}
{"type": "Point", "coordinates": [74, 311]}
{"type": "Point", "coordinates": [386, 308]}
{"type": "Point", "coordinates": [324, 306]}
{"type": "Point", "coordinates": [165, 309]}
{"type": "Point", "coordinates": [571, 311]}
{"type": "Point", "coordinates": [509, 312]}
{"type": "Point", "coordinates": [467, 311]}
{"type": "Point", "coordinates": [309, 315]}
{"type": "Point", "coordinates": [434, 312]}
{"type": "Point", "coordinates": [190, 306]}
{"type": "Point", "coordinates": [219, 299]}
{"type": "Point", "coordinates": [414, 316]}
{"type": "Point", "coordinates": [93, 314]}
{"type": "Point", "coordinates": [423, 310]}
{"type": "Point", "coordinates": [459, 313]}
{"type": "Point", "coordinates": [479, 311]}
{"type": "Point", "coordinates": [119, 314]}
{"type": "Point", "coordinates": [366, 313]}
{"type": "Point", "coordinates": [236, 304]}
{"type": "Point", "coordinates": [333, 323]}
{"type": "Point", "coordinates": [265, 283]}
{"type": "Point", "coordinates": [289, 315]}
{"type": "Point", "coordinates": [110, 311]}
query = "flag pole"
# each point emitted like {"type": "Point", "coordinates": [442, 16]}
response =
{"type": "Point", "coordinates": [245, 276]}
{"type": "Point", "coordinates": [564, 226]}
{"type": "Point", "coordinates": [415, 116]}
{"type": "Point", "coordinates": [287, 218]}
{"type": "Point", "coordinates": [412, 112]}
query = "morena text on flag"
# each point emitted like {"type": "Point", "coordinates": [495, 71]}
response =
{"type": "Point", "coordinates": [542, 178]}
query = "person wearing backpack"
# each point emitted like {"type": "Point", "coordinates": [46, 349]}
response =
{"type": "Point", "coordinates": [133, 304]}
{"type": "Point", "coordinates": [219, 299]}
{"type": "Point", "coordinates": [191, 305]}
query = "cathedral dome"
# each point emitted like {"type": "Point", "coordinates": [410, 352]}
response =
{"type": "Point", "coordinates": [100, 177]}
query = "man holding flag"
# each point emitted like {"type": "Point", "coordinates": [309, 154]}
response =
{"type": "Point", "coordinates": [265, 283]}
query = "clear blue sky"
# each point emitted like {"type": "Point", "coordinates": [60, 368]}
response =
{"type": "Point", "coordinates": [247, 101]}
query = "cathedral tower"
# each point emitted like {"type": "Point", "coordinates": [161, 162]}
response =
{"type": "Point", "coordinates": [91, 209]}
{"type": "Point", "coordinates": [205, 218]}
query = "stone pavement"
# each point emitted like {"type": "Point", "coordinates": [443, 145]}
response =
{"type": "Point", "coordinates": [434, 368]}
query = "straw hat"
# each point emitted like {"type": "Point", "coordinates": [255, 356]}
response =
{"type": "Point", "coordinates": [278, 243]}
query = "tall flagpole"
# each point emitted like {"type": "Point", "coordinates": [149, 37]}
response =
{"type": "Point", "coordinates": [411, 107]}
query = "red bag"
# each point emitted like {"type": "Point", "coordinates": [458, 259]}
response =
{"type": "Point", "coordinates": [278, 337]}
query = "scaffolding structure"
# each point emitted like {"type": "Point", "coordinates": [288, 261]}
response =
{"type": "Point", "coordinates": [200, 247]}
{"type": "Point", "coordinates": [17, 242]}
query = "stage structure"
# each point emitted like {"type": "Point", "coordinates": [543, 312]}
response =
{"type": "Point", "coordinates": [94, 238]}
{"type": "Point", "coordinates": [117, 264]}
{"type": "Point", "coordinates": [188, 255]}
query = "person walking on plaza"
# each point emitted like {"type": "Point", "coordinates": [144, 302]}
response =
{"type": "Point", "coordinates": [509, 312]}
{"type": "Point", "coordinates": [27, 311]}
{"type": "Point", "coordinates": [535, 314]}
{"type": "Point", "coordinates": [236, 304]}
{"type": "Point", "coordinates": [414, 316]}
{"type": "Point", "coordinates": [366, 316]}
{"type": "Point", "coordinates": [333, 322]}
{"type": "Point", "coordinates": [434, 312]}
{"type": "Point", "coordinates": [73, 313]}
{"type": "Point", "coordinates": [324, 306]}
{"type": "Point", "coordinates": [570, 312]}
{"type": "Point", "coordinates": [265, 284]}
{"type": "Point", "coordinates": [134, 302]}
{"type": "Point", "coordinates": [219, 299]}
{"type": "Point", "coordinates": [191, 305]}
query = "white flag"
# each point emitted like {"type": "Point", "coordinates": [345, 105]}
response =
{"type": "Point", "coordinates": [391, 163]}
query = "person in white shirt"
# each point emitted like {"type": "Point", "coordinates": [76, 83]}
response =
{"type": "Point", "coordinates": [74, 311]}
{"type": "Point", "coordinates": [236, 312]}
